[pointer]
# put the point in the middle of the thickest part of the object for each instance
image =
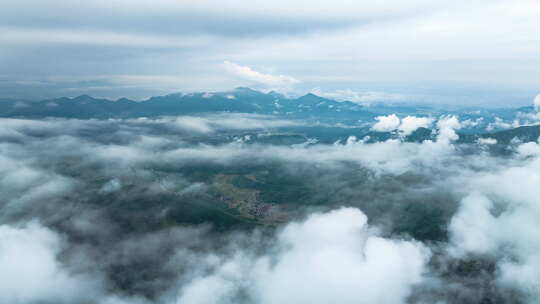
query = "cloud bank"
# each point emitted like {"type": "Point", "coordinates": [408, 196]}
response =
{"type": "Point", "coordinates": [126, 211]}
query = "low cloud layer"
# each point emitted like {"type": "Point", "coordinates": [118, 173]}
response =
{"type": "Point", "coordinates": [180, 210]}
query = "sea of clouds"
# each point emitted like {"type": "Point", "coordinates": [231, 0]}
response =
{"type": "Point", "coordinates": [399, 222]}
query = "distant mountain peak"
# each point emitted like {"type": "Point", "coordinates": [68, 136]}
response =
{"type": "Point", "coordinates": [275, 94]}
{"type": "Point", "coordinates": [246, 89]}
{"type": "Point", "coordinates": [123, 99]}
{"type": "Point", "coordinates": [312, 97]}
{"type": "Point", "coordinates": [87, 98]}
{"type": "Point", "coordinates": [83, 97]}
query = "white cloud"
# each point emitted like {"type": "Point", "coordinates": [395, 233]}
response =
{"type": "Point", "coordinates": [195, 124]}
{"type": "Point", "coordinates": [360, 97]}
{"type": "Point", "coordinates": [327, 257]}
{"type": "Point", "coordinates": [212, 123]}
{"type": "Point", "coordinates": [487, 141]}
{"type": "Point", "coordinates": [410, 124]}
{"type": "Point", "coordinates": [499, 219]}
{"type": "Point", "coordinates": [472, 123]}
{"type": "Point", "coordinates": [528, 149]}
{"type": "Point", "coordinates": [472, 227]}
{"type": "Point", "coordinates": [30, 271]}
{"type": "Point", "coordinates": [405, 126]}
{"type": "Point", "coordinates": [447, 126]}
{"type": "Point", "coordinates": [499, 123]}
{"type": "Point", "coordinates": [251, 75]}
{"type": "Point", "coordinates": [386, 123]}
{"type": "Point", "coordinates": [536, 102]}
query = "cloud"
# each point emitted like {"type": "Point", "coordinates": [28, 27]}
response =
{"type": "Point", "coordinates": [251, 75]}
{"type": "Point", "coordinates": [233, 19]}
{"type": "Point", "coordinates": [327, 257]}
{"type": "Point", "coordinates": [499, 221]}
{"type": "Point", "coordinates": [219, 122]}
{"type": "Point", "coordinates": [20, 104]}
{"type": "Point", "coordinates": [410, 124]}
{"type": "Point", "coordinates": [536, 102]}
{"type": "Point", "coordinates": [528, 149]}
{"type": "Point", "coordinates": [194, 124]}
{"type": "Point", "coordinates": [487, 141]}
{"type": "Point", "coordinates": [319, 44]}
{"type": "Point", "coordinates": [499, 123]}
{"type": "Point", "coordinates": [447, 126]}
{"type": "Point", "coordinates": [405, 126]}
{"type": "Point", "coordinates": [386, 123]}
{"type": "Point", "coordinates": [360, 97]}
{"type": "Point", "coordinates": [30, 271]}
{"type": "Point", "coordinates": [24, 36]}
{"type": "Point", "coordinates": [446, 221]}
{"type": "Point", "coordinates": [473, 225]}
{"type": "Point", "coordinates": [472, 123]}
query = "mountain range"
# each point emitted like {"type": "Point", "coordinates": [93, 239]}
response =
{"type": "Point", "coordinates": [309, 107]}
{"type": "Point", "coordinates": [241, 100]}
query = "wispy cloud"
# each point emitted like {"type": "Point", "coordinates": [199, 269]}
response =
{"type": "Point", "coordinates": [52, 36]}
{"type": "Point", "coordinates": [265, 79]}
{"type": "Point", "coordinates": [362, 97]}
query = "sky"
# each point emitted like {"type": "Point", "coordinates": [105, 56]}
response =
{"type": "Point", "coordinates": [453, 52]}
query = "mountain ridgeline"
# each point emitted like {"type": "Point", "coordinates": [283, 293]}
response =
{"type": "Point", "coordinates": [240, 100]}
{"type": "Point", "coordinates": [329, 120]}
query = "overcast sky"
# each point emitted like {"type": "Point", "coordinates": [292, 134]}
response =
{"type": "Point", "coordinates": [460, 51]}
